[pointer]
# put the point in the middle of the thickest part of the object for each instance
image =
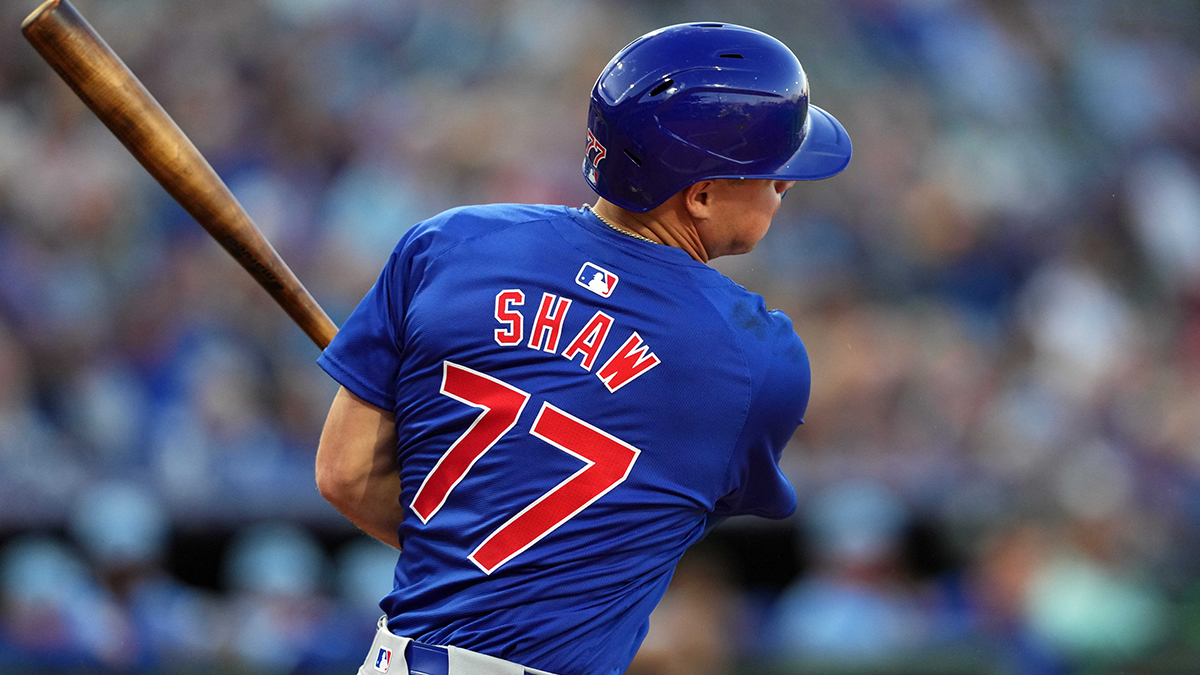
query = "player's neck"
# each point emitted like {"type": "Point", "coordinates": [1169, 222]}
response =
{"type": "Point", "coordinates": [660, 225]}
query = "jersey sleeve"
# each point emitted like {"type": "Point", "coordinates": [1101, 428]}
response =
{"type": "Point", "coordinates": [755, 485]}
{"type": "Point", "coordinates": [364, 356]}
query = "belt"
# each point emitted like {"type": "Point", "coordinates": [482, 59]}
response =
{"type": "Point", "coordinates": [394, 655]}
{"type": "Point", "coordinates": [426, 659]}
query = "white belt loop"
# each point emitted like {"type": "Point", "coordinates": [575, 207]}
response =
{"type": "Point", "coordinates": [386, 654]}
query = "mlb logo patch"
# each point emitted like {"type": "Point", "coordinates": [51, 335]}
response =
{"type": "Point", "coordinates": [383, 660]}
{"type": "Point", "coordinates": [596, 279]}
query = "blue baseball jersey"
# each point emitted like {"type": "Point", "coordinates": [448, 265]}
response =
{"type": "Point", "coordinates": [574, 409]}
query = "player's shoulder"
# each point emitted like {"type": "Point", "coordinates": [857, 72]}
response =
{"type": "Point", "coordinates": [466, 222]}
{"type": "Point", "coordinates": [763, 334]}
{"type": "Point", "coordinates": [434, 236]}
{"type": "Point", "coordinates": [747, 311]}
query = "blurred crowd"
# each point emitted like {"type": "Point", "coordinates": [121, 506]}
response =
{"type": "Point", "coordinates": [1000, 298]}
{"type": "Point", "coordinates": [108, 603]}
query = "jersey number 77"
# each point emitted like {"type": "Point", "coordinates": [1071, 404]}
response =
{"type": "Point", "coordinates": [607, 462]}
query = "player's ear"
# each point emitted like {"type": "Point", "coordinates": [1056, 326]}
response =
{"type": "Point", "coordinates": [697, 198]}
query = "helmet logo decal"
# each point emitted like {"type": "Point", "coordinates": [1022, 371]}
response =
{"type": "Point", "coordinates": [593, 144]}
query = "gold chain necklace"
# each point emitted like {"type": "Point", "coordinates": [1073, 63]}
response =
{"type": "Point", "coordinates": [627, 233]}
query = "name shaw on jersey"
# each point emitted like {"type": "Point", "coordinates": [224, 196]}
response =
{"type": "Point", "coordinates": [630, 361]}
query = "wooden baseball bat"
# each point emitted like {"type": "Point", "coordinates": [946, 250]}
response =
{"type": "Point", "coordinates": [98, 76]}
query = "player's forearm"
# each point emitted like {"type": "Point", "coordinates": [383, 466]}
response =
{"type": "Point", "coordinates": [356, 467]}
{"type": "Point", "coordinates": [372, 504]}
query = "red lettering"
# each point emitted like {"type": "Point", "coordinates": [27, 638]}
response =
{"type": "Point", "coordinates": [500, 404]}
{"type": "Point", "coordinates": [548, 326]}
{"type": "Point", "coordinates": [608, 461]}
{"type": "Point", "coordinates": [592, 143]}
{"type": "Point", "coordinates": [514, 330]}
{"type": "Point", "coordinates": [629, 362]}
{"type": "Point", "coordinates": [590, 340]}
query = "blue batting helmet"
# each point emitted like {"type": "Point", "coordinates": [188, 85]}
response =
{"type": "Point", "coordinates": [696, 101]}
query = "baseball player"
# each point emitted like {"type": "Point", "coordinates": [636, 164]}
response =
{"type": "Point", "coordinates": [543, 406]}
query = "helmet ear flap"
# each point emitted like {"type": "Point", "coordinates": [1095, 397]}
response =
{"type": "Point", "coordinates": [608, 154]}
{"type": "Point", "coordinates": [596, 150]}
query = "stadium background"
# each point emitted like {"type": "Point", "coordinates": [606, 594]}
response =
{"type": "Point", "coordinates": [1000, 472]}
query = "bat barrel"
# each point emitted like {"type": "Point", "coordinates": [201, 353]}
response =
{"type": "Point", "coordinates": [106, 85]}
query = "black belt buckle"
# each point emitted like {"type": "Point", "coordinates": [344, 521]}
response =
{"type": "Point", "coordinates": [427, 659]}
